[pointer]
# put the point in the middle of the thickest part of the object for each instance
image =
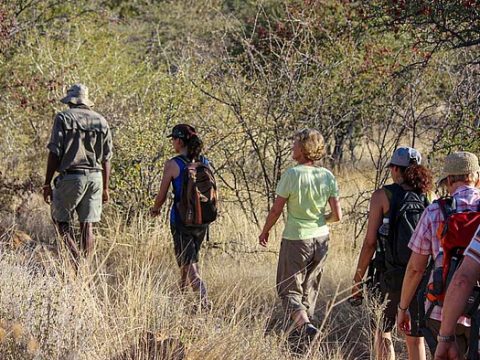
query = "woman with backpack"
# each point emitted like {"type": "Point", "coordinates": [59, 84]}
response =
{"type": "Point", "coordinates": [188, 235]}
{"type": "Point", "coordinates": [394, 212]}
{"type": "Point", "coordinates": [307, 189]}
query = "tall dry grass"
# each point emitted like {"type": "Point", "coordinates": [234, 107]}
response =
{"type": "Point", "coordinates": [130, 287]}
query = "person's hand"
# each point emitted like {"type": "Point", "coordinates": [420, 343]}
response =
{"type": "Point", "coordinates": [47, 193]}
{"type": "Point", "coordinates": [356, 288]}
{"type": "Point", "coordinates": [154, 212]}
{"type": "Point", "coordinates": [105, 196]}
{"type": "Point", "coordinates": [403, 321]}
{"type": "Point", "coordinates": [263, 239]}
{"type": "Point", "coordinates": [357, 297]}
{"type": "Point", "coordinates": [447, 351]}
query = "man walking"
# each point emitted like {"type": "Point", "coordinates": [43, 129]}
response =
{"type": "Point", "coordinates": [80, 151]}
{"type": "Point", "coordinates": [460, 176]}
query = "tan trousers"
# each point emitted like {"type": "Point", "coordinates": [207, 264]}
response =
{"type": "Point", "coordinates": [300, 267]}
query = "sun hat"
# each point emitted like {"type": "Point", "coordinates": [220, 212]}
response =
{"type": "Point", "coordinates": [77, 94]}
{"type": "Point", "coordinates": [404, 156]}
{"type": "Point", "coordinates": [182, 131]}
{"type": "Point", "coordinates": [459, 163]}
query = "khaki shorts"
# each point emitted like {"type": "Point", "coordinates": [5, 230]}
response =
{"type": "Point", "coordinates": [80, 193]}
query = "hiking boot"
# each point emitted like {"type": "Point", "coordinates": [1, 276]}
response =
{"type": "Point", "coordinates": [206, 306]}
{"type": "Point", "coordinates": [309, 331]}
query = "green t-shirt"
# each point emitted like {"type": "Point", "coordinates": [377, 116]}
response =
{"type": "Point", "coordinates": [307, 189]}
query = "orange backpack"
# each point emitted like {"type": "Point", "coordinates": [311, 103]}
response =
{"type": "Point", "coordinates": [454, 234]}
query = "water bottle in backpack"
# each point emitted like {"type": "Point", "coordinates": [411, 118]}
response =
{"type": "Point", "coordinates": [383, 231]}
{"type": "Point", "coordinates": [382, 239]}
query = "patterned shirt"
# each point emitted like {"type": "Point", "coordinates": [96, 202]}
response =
{"type": "Point", "coordinates": [424, 240]}
{"type": "Point", "coordinates": [81, 139]}
{"type": "Point", "coordinates": [473, 250]}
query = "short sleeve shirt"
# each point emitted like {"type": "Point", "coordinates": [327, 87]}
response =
{"type": "Point", "coordinates": [473, 250]}
{"type": "Point", "coordinates": [307, 190]}
{"type": "Point", "coordinates": [81, 139]}
{"type": "Point", "coordinates": [424, 240]}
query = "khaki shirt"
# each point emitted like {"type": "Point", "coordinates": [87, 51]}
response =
{"type": "Point", "coordinates": [81, 139]}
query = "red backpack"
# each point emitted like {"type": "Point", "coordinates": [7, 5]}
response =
{"type": "Point", "coordinates": [454, 233]}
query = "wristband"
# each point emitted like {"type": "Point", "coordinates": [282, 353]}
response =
{"type": "Point", "coordinates": [46, 186]}
{"type": "Point", "coordinates": [446, 339]}
{"type": "Point", "coordinates": [402, 309]}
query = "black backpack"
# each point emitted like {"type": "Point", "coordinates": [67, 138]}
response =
{"type": "Point", "coordinates": [406, 208]}
{"type": "Point", "coordinates": [198, 200]}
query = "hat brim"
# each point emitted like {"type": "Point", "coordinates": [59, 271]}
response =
{"type": "Point", "coordinates": [443, 176]}
{"type": "Point", "coordinates": [76, 101]}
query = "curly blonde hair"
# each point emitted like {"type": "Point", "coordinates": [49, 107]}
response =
{"type": "Point", "coordinates": [312, 143]}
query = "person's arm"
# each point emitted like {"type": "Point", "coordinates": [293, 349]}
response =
{"type": "Point", "coordinates": [375, 217]}
{"type": "Point", "coordinates": [456, 299]}
{"type": "Point", "coordinates": [168, 175]}
{"type": "Point", "coordinates": [55, 147]}
{"type": "Point", "coordinates": [106, 180]}
{"type": "Point", "coordinates": [413, 276]}
{"type": "Point", "coordinates": [106, 163]}
{"type": "Point", "coordinates": [272, 218]}
{"type": "Point", "coordinates": [336, 211]}
{"type": "Point", "coordinates": [52, 165]}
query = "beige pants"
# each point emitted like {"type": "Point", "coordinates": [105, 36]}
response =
{"type": "Point", "coordinates": [300, 267]}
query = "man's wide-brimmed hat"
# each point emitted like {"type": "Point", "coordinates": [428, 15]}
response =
{"type": "Point", "coordinates": [405, 156]}
{"type": "Point", "coordinates": [77, 94]}
{"type": "Point", "coordinates": [459, 163]}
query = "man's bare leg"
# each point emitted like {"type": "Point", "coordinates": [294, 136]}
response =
{"type": "Point", "coordinates": [87, 238]}
{"type": "Point", "coordinates": [68, 237]}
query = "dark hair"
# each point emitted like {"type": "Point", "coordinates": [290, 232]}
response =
{"type": "Point", "coordinates": [417, 177]}
{"type": "Point", "coordinates": [194, 147]}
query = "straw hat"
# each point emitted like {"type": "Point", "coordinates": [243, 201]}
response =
{"type": "Point", "coordinates": [459, 163]}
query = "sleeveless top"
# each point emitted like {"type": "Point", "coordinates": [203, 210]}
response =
{"type": "Point", "coordinates": [177, 185]}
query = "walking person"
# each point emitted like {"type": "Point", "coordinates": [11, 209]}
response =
{"type": "Point", "coordinates": [456, 299]}
{"type": "Point", "coordinates": [394, 212]}
{"type": "Point", "coordinates": [307, 189]}
{"type": "Point", "coordinates": [459, 176]}
{"type": "Point", "coordinates": [187, 235]}
{"type": "Point", "coordinates": [80, 150]}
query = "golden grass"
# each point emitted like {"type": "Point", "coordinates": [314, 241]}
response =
{"type": "Point", "coordinates": [130, 287]}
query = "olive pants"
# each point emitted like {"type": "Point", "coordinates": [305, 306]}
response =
{"type": "Point", "coordinates": [300, 267]}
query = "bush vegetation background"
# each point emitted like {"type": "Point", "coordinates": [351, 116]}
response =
{"type": "Point", "coordinates": [369, 75]}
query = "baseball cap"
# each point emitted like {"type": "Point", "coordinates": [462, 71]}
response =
{"type": "Point", "coordinates": [404, 156]}
{"type": "Point", "coordinates": [182, 131]}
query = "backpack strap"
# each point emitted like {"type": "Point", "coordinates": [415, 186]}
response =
{"type": "Point", "coordinates": [398, 192]}
{"type": "Point", "coordinates": [422, 314]}
{"type": "Point", "coordinates": [445, 205]}
{"type": "Point", "coordinates": [186, 160]}
{"type": "Point", "coordinates": [183, 158]}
